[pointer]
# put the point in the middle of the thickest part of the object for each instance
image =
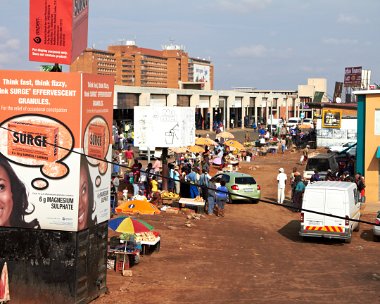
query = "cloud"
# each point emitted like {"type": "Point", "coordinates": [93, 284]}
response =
{"type": "Point", "coordinates": [346, 19]}
{"type": "Point", "coordinates": [3, 33]}
{"type": "Point", "coordinates": [313, 69]}
{"type": "Point", "coordinates": [242, 6]}
{"type": "Point", "coordinates": [337, 41]}
{"type": "Point", "coordinates": [261, 51]}
{"type": "Point", "coordinates": [8, 46]}
{"type": "Point", "coordinates": [253, 51]}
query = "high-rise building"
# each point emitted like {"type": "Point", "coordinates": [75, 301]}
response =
{"type": "Point", "coordinates": [135, 66]}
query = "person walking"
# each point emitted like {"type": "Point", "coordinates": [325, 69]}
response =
{"type": "Point", "coordinates": [361, 186]}
{"type": "Point", "coordinates": [116, 184]}
{"type": "Point", "coordinates": [211, 197]}
{"type": "Point", "coordinates": [192, 179]}
{"type": "Point", "coordinates": [281, 183]}
{"type": "Point", "coordinates": [305, 154]}
{"type": "Point", "coordinates": [293, 180]}
{"type": "Point", "coordinates": [298, 193]}
{"type": "Point", "coordinates": [177, 179]}
{"type": "Point", "coordinates": [129, 156]}
{"type": "Point", "coordinates": [221, 197]}
{"type": "Point", "coordinates": [283, 144]}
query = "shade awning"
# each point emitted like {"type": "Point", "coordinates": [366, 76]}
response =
{"type": "Point", "coordinates": [378, 152]}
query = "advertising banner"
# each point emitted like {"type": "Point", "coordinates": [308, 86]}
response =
{"type": "Point", "coordinates": [58, 30]}
{"type": "Point", "coordinates": [55, 131]}
{"type": "Point", "coordinates": [353, 77]}
{"type": "Point", "coordinates": [164, 127]}
{"type": "Point", "coordinates": [331, 118]}
{"type": "Point", "coordinates": [201, 73]}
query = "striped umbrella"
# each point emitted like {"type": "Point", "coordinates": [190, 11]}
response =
{"type": "Point", "coordinates": [126, 224]}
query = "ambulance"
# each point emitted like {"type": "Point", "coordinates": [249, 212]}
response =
{"type": "Point", "coordinates": [330, 197]}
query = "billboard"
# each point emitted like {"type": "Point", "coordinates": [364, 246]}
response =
{"type": "Point", "coordinates": [318, 96]}
{"type": "Point", "coordinates": [165, 127]}
{"type": "Point", "coordinates": [201, 73]}
{"type": "Point", "coordinates": [331, 118]}
{"type": "Point", "coordinates": [57, 30]}
{"type": "Point", "coordinates": [55, 133]}
{"type": "Point", "coordinates": [353, 77]}
{"type": "Point", "coordinates": [338, 91]}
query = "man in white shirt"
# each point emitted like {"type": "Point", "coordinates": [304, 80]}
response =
{"type": "Point", "coordinates": [281, 181]}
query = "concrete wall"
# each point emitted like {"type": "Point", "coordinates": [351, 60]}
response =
{"type": "Point", "coordinates": [331, 136]}
{"type": "Point", "coordinates": [372, 141]}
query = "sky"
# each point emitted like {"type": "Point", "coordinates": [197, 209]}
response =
{"type": "Point", "coordinates": [265, 44]}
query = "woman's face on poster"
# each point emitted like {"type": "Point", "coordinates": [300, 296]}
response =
{"type": "Point", "coordinates": [83, 200]}
{"type": "Point", "coordinates": [6, 198]}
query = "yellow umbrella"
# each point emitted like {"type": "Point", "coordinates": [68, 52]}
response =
{"type": "Point", "coordinates": [225, 135]}
{"type": "Point", "coordinates": [178, 150]}
{"type": "Point", "coordinates": [235, 144]}
{"type": "Point", "coordinates": [204, 141]}
{"type": "Point", "coordinates": [195, 149]}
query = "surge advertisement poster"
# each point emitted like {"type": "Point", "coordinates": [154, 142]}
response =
{"type": "Point", "coordinates": [55, 149]}
{"type": "Point", "coordinates": [58, 30]}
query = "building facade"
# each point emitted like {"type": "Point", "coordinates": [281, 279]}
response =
{"type": "Point", "coordinates": [368, 148]}
{"type": "Point", "coordinates": [142, 67]}
{"type": "Point", "coordinates": [211, 106]}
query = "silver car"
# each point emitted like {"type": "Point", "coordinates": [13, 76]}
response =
{"type": "Point", "coordinates": [376, 229]}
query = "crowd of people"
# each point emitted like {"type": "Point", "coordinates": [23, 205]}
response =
{"type": "Point", "coordinates": [188, 176]}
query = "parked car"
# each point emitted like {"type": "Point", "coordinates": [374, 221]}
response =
{"type": "Point", "coordinates": [346, 146]}
{"type": "Point", "coordinates": [241, 186]}
{"type": "Point", "coordinates": [321, 162]}
{"type": "Point", "coordinates": [293, 122]}
{"type": "Point", "coordinates": [376, 229]}
{"type": "Point", "coordinates": [308, 122]}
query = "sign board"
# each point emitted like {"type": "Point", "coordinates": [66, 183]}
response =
{"type": "Point", "coordinates": [318, 96]}
{"type": "Point", "coordinates": [331, 118]}
{"type": "Point", "coordinates": [333, 136]}
{"type": "Point", "coordinates": [201, 73]}
{"type": "Point", "coordinates": [57, 30]}
{"type": "Point", "coordinates": [353, 77]}
{"type": "Point", "coordinates": [47, 122]}
{"type": "Point", "coordinates": [338, 91]}
{"type": "Point", "coordinates": [164, 127]}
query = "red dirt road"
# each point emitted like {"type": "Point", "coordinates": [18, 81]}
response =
{"type": "Point", "coordinates": [253, 255]}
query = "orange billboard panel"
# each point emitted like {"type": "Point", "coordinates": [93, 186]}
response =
{"type": "Point", "coordinates": [33, 141]}
{"type": "Point", "coordinates": [58, 30]}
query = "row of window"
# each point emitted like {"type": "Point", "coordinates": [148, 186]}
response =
{"type": "Point", "coordinates": [110, 71]}
{"type": "Point", "coordinates": [103, 64]}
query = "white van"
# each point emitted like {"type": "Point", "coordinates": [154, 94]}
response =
{"type": "Point", "coordinates": [330, 197]}
{"type": "Point", "coordinates": [293, 122]}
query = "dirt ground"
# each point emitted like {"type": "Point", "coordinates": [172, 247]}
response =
{"type": "Point", "coordinates": [252, 255]}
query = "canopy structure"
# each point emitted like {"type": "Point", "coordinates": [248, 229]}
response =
{"type": "Point", "coordinates": [234, 144]}
{"type": "Point", "coordinates": [126, 224]}
{"type": "Point", "coordinates": [205, 141]}
{"type": "Point", "coordinates": [137, 207]}
{"type": "Point", "coordinates": [225, 135]}
{"type": "Point", "coordinates": [195, 149]}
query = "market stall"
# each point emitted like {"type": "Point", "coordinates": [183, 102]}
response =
{"type": "Point", "coordinates": [197, 204]}
{"type": "Point", "coordinates": [150, 241]}
{"type": "Point", "coordinates": [136, 237]}
{"type": "Point", "coordinates": [123, 253]}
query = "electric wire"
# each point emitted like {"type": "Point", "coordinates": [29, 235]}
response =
{"type": "Point", "coordinates": [189, 183]}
